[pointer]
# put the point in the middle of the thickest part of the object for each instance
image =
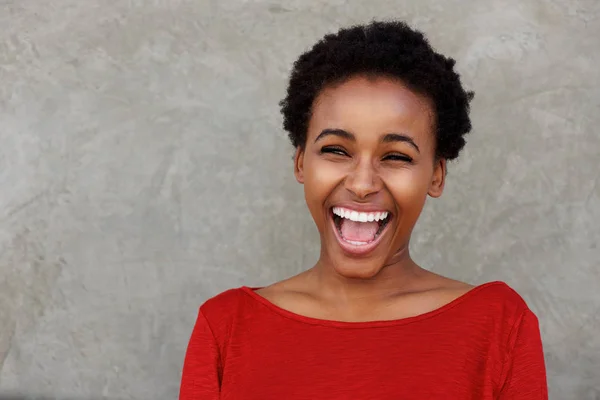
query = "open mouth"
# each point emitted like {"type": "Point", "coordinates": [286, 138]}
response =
{"type": "Point", "coordinates": [359, 230]}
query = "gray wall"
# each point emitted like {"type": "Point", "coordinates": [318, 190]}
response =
{"type": "Point", "coordinates": [143, 169]}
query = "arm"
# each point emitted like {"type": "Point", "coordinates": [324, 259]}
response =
{"type": "Point", "coordinates": [525, 368]}
{"type": "Point", "coordinates": [200, 377]}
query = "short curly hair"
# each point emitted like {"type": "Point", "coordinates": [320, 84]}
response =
{"type": "Point", "coordinates": [389, 49]}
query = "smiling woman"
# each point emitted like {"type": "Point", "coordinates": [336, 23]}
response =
{"type": "Point", "coordinates": [374, 114]}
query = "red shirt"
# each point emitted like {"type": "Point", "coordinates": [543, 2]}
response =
{"type": "Point", "coordinates": [484, 345]}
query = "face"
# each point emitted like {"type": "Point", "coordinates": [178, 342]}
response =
{"type": "Point", "coordinates": [367, 167]}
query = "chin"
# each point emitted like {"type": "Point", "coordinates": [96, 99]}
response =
{"type": "Point", "coordinates": [364, 269]}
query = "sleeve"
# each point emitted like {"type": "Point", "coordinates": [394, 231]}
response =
{"type": "Point", "coordinates": [525, 366]}
{"type": "Point", "coordinates": [200, 376]}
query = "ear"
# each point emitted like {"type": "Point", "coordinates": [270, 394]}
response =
{"type": "Point", "coordinates": [299, 164]}
{"type": "Point", "coordinates": [438, 179]}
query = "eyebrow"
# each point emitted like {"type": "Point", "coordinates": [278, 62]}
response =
{"type": "Point", "coordinates": [388, 138]}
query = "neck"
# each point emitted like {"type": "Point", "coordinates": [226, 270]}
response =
{"type": "Point", "coordinates": [396, 275]}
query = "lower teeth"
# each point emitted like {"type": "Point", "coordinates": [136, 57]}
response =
{"type": "Point", "coordinates": [357, 243]}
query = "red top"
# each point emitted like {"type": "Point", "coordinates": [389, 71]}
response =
{"type": "Point", "coordinates": [484, 345]}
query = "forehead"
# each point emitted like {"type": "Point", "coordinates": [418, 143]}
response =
{"type": "Point", "coordinates": [373, 106]}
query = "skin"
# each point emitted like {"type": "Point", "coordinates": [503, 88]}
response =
{"type": "Point", "coordinates": [350, 158]}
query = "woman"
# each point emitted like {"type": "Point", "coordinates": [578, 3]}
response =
{"type": "Point", "coordinates": [375, 114]}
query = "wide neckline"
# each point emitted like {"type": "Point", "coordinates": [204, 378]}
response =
{"type": "Point", "coordinates": [251, 291]}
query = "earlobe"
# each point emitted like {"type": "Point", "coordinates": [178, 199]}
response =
{"type": "Point", "coordinates": [299, 165]}
{"type": "Point", "coordinates": [438, 179]}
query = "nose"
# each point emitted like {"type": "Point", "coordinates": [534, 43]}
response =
{"type": "Point", "coordinates": [363, 180]}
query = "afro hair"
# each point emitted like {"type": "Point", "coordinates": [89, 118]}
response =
{"type": "Point", "coordinates": [388, 49]}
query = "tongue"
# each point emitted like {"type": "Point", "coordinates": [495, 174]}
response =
{"type": "Point", "coordinates": [358, 231]}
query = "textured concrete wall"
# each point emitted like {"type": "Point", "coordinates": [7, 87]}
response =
{"type": "Point", "coordinates": [143, 169]}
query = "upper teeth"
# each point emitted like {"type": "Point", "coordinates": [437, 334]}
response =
{"type": "Point", "coordinates": [360, 216]}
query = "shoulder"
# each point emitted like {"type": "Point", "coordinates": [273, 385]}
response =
{"type": "Point", "coordinates": [221, 310]}
{"type": "Point", "coordinates": [225, 302]}
{"type": "Point", "coordinates": [500, 294]}
{"type": "Point", "coordinates": [498, 303]}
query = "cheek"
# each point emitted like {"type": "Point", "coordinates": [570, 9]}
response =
{"type": "Point", "coordinates": [319, 181]}
{"type": "Point", "coordinates": [321, 177]}
{"type": "Point", "coordinates": [409, 189]}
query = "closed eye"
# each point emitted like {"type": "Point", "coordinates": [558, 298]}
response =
{"type": "Point", "coordinates": [398, 157]}
{"type": "Point", "coordinates": [334, 150]}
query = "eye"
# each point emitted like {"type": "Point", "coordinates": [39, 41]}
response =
{"type": "Point", "coordinates": [398, 157]}
{"type": "Point", "coordinates": [334, 150]}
